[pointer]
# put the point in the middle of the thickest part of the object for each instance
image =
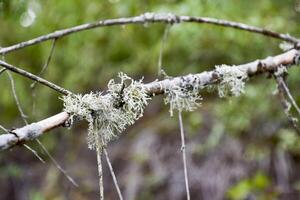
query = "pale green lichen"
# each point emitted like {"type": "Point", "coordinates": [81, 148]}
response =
{"type": "Point", "coordinates": [280, 70]}
{"type": "Point", "coordinates": [232, 80]}
{"type": "Point", "coordinates": [183, 97]}
{"type": "Point", "coordinates": [108, 114]}
{"type": "Point", "coordinates": [285, 46]}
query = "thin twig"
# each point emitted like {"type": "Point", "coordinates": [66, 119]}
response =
{"type": "Point", "coordinates": [57, 165]}
{"type": "Point", "coordinates": [35, 78]}
{"type": "Point", "coordinates": [46, 63]}
{"type": "Point", "coordinates": [4, 129]}
{"type": "Point", "coordinates": [163, 41]}
{"type": "Point", "coordinates": [38, 141]}
{"type": "Point", "coordinates": [150, 18]}
{"type": "Point", "coordinates": [34, 152]}
{"type": "Point", "coordinates": [41, 72]}
{"type": "Point", "coordinates": [13, 88]}
{"type": "Point", "coordinates": [100, 169]}
{"type": "Point", "coordinates": [186, 180]}
{"type": "Point", "coordinates": [288, 93]}
{"type": "Point", "coordinates": [2, 70]}
{"type": "Point", "coordinates": [113, 174]}
{"type": "Point", "coordinates": [23, 116]}
{"type": "Point", "coordinates": [285, 103]}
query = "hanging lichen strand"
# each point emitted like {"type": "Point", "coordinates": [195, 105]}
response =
{"type": "Point", "coordinates": [185, 96]}
{"type": "Point", "coordinates": [108, 114]}
{"type": "Point", "coordinates": [232, 80]}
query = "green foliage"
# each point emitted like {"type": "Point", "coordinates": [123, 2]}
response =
{"type": "Point", "coordinates": [255, 186]}
{"type": "Point", "coordinates": [35, 195]}
{"type": "Point", "coordinates": [289, 140]}
{"type": "Point", "coordinates": [11, 170]}
{"type": "Point", "coordinates": [239, 113]}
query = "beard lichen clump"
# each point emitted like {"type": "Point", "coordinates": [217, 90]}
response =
{"type": "Point", "coordinates": [183, 97]}
{"type": "Point", "coordinates": [232, 80]}
{"type": "Point", "coordinates": [108, 114]}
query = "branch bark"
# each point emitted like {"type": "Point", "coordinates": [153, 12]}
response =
{"type": "Point", "coordinates": [282, 93]}
{"type": "Point", "coordinates": [269, 64]}
{"type": "Point", "coordinates": [34, 77]}
{"type": "Point", "coordinates": [151, 18]}
{"type": "Point", "coordinates": [31, 131]}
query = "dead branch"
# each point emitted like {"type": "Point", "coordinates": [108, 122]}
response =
{"type": "Point", "coordinates": [269, 64]}
{"type": "Point", "coordinates": [31, 131]}
{"type": "Point", "coordinates": [282, 93]}
{"type": "Point", "coordinates": [34, 77]}
{"type": "Point", "coordinates": [151, 18]}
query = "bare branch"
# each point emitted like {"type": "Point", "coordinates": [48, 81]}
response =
{"type": "Point", "coordinates": [13, 88]}
{"type": "Point", "coordinates": [163, 41]}
{"type": "Point", "coordinates": [113, 174]}
{"type": "Point", "coordinates": [269, 64]}
{"type": "Point", "coordinates": [99, 164]}
{"type": "Point", "coordinates": [4, 129]}
{"type": "Point", "coordinates": [41, 72]}
{"type": "Point", "coordinates": [186, 180]}
{"type": "Point", "coordinates": [2, 70]}
{"type": "Point", "coordinates": [46, 63]}
{"type": "Point", "coordinates": [285, 103]}
{"type": "Point", "coordinates": [32, 131]}
{"type": "Point", "coordinates": [57, 165]}
{"type": "Point", "coordinates": [38, 141]}
{"type": "Point", "coordinates": [34, 152]}
{"type": "Point", "coordinates": [23, 116]}
{"type": "Point", "coordinates": [288, 93]}
{"type": "Point", "coordinates": [150, 18]}
{"type": "Point", "coordinates": [34, 77]}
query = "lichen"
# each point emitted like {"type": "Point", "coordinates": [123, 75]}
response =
{"type": "Point", "coordinates": [280, 70]}
{"type": "Point", "coordinates": [232, 80]}
{"type": "Point", "coordinates": [183, 97]}
{"type": "Point", "coordinates": [285, 46]}
{"type": "Point", "coordinates": [108, 114]}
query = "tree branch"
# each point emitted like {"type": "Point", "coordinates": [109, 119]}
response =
{"type": "Point", "coordinates": [285, 103]}
{"type": "Point", "coordinates": [34, 77]}
{"type": "Point", "coordinates": [31, 131]}
{"type": "Point", "coordinates": [150, 18]}
{"type": "Point", "coordinates": [289, 95]}
{"type": "Point", "coordinates": [2, 70]}
{"type": "Point", "coordinates": [269, 64]}
{"type": "Point", "coordinates": [46, 63]}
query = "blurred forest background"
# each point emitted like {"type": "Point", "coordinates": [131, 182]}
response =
{"type": "Point", "coordinates": [238, 148]}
